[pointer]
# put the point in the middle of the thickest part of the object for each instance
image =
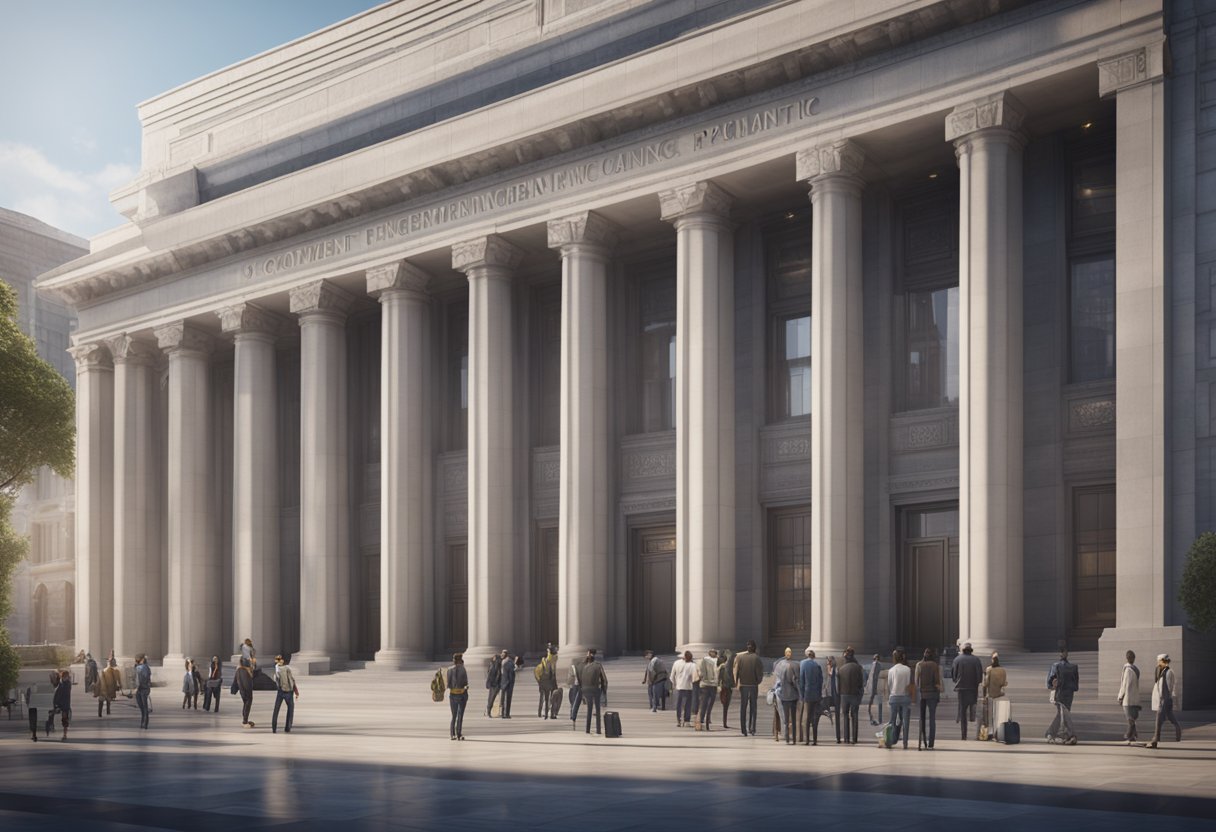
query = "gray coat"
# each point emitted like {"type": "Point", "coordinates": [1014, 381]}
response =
{"type": "Point", "coordinates": [968, 672]}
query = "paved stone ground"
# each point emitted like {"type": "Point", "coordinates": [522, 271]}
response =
{"type": "Point", "coordinates": [370, 751]}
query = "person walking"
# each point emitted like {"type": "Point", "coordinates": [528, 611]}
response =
{"type": "Point", "coordinates": [787, 676]}
{"type": "Point", "coordinates": [901, 692]}
{"type": "Point", "coordinates": [1129, 697]}
{"type": "Point", "coordinates": [213, 684]}
{"type": "Point", "coordinates": [810, 691]}
{"type": "Point", "coordinates": [682, 673]}
{"type": "Point", "coordinates": [197, 677]}
{"type": "Point", "coordinates": [90, 673]}
{"type": "Point", "coordinates": [109, 683]}
{"type": "Point", "coordinates": [831, 694]}
{"type": "Point", "coordinates": [506, 683]}
{"type": "Point", "coordinates": [576, 693]}
{"type": "Point", "coordinates": [143, 688]}
{"type": "Point", "coordinates": [249, 656]}
{"type": "Point", "coordinates": [285, 691]}
{"type": "Point", "coordinates": [993, 689]}
{"type": "Point", "coordinates": [188, 689]}
{"type": "Point", "coordinates": [493, 677]}
{"type": "Point", "coordinates": [592, 681]}
{"type": "Point", "coordinates": [852, 681]}
{"type": "Point", "coordinates": [706, 679]}
{"type": "Point", "coordinates": [61, 703]}
{"type": "Point", "coordinates": [244, 685]}
{"type": "Point", "coordinates": [546, 681]}
{"type": "Point", "coordinates": [928, 678]}
{"type": "Point", "coordinates": [655, 680]}
{"type": "Point", "coordinates": [1165, 687]}
{"type": "Point", "coordinates": [726, 684]}
{"type": "Point", "coordinates": [457, 679]}
{"type": "Point", "coordinates": [1063, 680]}
{"type": "Point", "coordinates": [967, 671]}
{"type": "Point", "coordinates": [873, 685]}
{"type": "Point", "coordinates": [749, 672]}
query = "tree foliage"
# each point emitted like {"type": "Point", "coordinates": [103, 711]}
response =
{"type": "Point", "coordinates": [1198, 591]}
{"type": "Point", "coordinates": [37, 427]}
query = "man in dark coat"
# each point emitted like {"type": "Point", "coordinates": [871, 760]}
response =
{"type": "Point", "coordinates": [967, 672]}
{"type": "Point", "coordinates": [591, 681]}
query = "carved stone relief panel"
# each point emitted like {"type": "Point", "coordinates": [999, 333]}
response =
{"type": "Point", "coordinates": [924, 430]}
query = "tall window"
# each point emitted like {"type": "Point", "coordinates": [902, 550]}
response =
{"type": "Point", "coordinates": [458, 376]}
{"type": "Point", "coordinates": [658, 353]}
{"type": "Point", "coordinates": [547, 343]}
{"type": "Point", "coordinates": [1093, 534]}
{"type": "Point", "coordinates": [789, 556]}
{"type": "Point", "coordinates": [788, 263]}
{"type": "Point", "coordinates": [931, 374]}
{"type": "Point", "coordinates": [1091, 249]}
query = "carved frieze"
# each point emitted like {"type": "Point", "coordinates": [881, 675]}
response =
{"type": "Point", "coordinates": [694, 198]}
{"type": "Point", "coordinates": [646, 505]}
{"type": "Point", "coordinates": [1120, 72]}
{"type": "Point", "coordinates": [455, 476]}
{"type": "Point", "coordinates": [921, 432]}
{"type": "Point", "coordinates": [645, 465]}
{"type": "Point", "coordinates": [922, 482]}
{"type": "Point", "coordinates": [481, 252]}
{"type": "Point", "coordinates": [1000, 110]}
{"type": "Point", "coordinates": [1091, 414]}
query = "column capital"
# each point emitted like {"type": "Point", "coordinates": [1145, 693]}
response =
{"type": "Point", "coordinates": [585, 228]}
{"type": "Point", "coordinates": [999, 111]}
{"type": "Point", "coordinates": [320, 296]}
{"type": "Point", "coordinates": [400, 276]}
{"type": "Point", "coordinates": [1131, 69]}
{"type": "Point", "coordinates": [182, 336]}
{"type": "Point", "coordinates": [246, 318]}
{"type": "Point", "coordinates": [490, 250]}
{"type": "Point", "coordinates": [129, 350]}
{"type": "Point", "coordinates": [839, 158]}
{"type": "Point", "coordinates": [91, 356]}
{"type": "Point", "coordinates": [695, 198]}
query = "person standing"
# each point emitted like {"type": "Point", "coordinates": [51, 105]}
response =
{"type": "Point", "coordinates": [90, 673]}
{"type": "Point", "coordinates": [993, 689]}
{"type": "Point", "coordinates": [655, 680]}
{"type": "Point", "coordinates": [188, 689]}
{"type": "Point", "coordinates": [706, 678]}
{"type": "Point", "coordinates": [967, 672]}
{"type": "Point", "coordinates": [787, 675]}
{"type": "Point", "coordinates": [576, 694]}
{"type": "Point", "coordinates": [726, 684]}
{"type": "Point", "coordinates": [457, 679]}
{"type": "Point", "coordinates": [62, 702]}
{"type": "Point", "coordinates": [749, 672]}
{"type": "Point", "coordinates": [244, 683]}
{"type": "Point", "coordinates": [143, 688]}
{"type": "Point", "coordinates": [592, 681]}
{"type": "Point", "coordinates": [1165, 687]}
{"type": "Point", "coordinates": [682, 673]}
{"type": "Point", "coordinates": [546, 681]}
{"type": "Point", "coordinates": [810, 690]}
{"type": "Point", "coordinates": [852, 680]}
{"type": "Point", "coordinates": [1129, 697]}
{"type": "Point", "coordinates": [1063, 680]}
{"type": "Point", "coordinates": [901, 690]}
{"type": "Point", "coordinates": [928, 676]}
{"type": "Point", "coordinates": [107, 687]}
{"type": "Point", "coordinates": [213, 684]}
{"type": "Point", "coordinates": [506, 683]}
{"type": "Point", "coordinates": [197, 678]}
{"type": "Point", "coordinates": [873, 680]}
{"type": "Point", "coordinates": [493, 677]}
{"type": "Point", "coordinates": [831, 694]}
{"type": "Point", "coordinates": [285, 691]}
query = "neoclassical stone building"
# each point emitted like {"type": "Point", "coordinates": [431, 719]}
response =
{"type": "Point", "coordinates": [645, 324]}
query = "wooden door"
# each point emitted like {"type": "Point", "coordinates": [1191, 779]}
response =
{"type": "Point", "coordinates": [458, 597]}
{"type": "Point", "coordinates": [369, 608]}
{"type": "Point", "coordinates": [653, 589]}
{"type": "Point", "coordinates": [548, 591]}
{"type": "Point", "coordinates": [928, 603]}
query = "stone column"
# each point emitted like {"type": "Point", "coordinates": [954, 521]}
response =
{"type": "Point", "coordinates": [584, 514]}
{"type": "Point", "coordinates": [406, 568]}
{"type": "Point", "coordinates": [138, 602]}
{"type": "Point", "coordinates": [837, 425]}
{"type": "Point", "coordinates": [195, 585]}
{"type": "Point", "coordinates": [989, 151]}
{"type": "Point", "coordinates": [324, 491]}
{"type": "Point", "coordinates": [494, 611]}
{"type": "Point", "coordinates": [705, 415]}
{"type": "Point", "coordinates": [257, 598]}
{"type": "Point", "coordinates": [94, 506]}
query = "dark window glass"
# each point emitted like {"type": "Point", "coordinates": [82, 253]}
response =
{"type": "Point", "coordinates": [789, 559]}
{"type": "Point", "coordinates": [931, 354]}
{"type": "Point", "coordinates": [458, 377]}
{"type": "Point", "coordinates": [549, 363]}
{"type": "Point", "coordinates": [793, 371]}
{"type": "Point", "coordinates": [788, 263]}
{"type": "Point", "coordinates": [658, 354]}
{"type": "Point", "coordinates": [1094, 558]}
{"type": "Point", "coordinates": [1091, 329]}
{"type": "Point", "coordinates": [1093, 195]}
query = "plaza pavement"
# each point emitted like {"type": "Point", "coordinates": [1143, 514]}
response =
{"type": "Point", "coordinates": [371, 751]}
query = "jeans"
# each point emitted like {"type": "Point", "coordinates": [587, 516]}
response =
{"type": "Point", "coordinates": [458, 702]}
{"type": "Point", "coordinates": [507, 694]}
{"type": "Point", "coordinates": [789, 719]}
{"type": "Point", "coordinates": [282, 696]}
{"type": "Point", "coordinates": [141, 699]}
{"type": "Point", "coordinates": [870, 708]}
{"type": "Point", "coordinates": [1061, 726]}
{"type": "Point", "coordinates": [593, 699]}
{"type": "Point", "coordinates": [706, 712]}
{"type": "Point", "coordinates": [656, 693]}
{"type": "Point", "coordinates": [490, 701]}
{"type": "Point", "coordinates": [684, 706]}
{"type": "Point", "coordinates": [930, 734]}
{"type": "Point", "coordinates": [901, 716]}
{"type": "Point", "coordinates": [211, 694]}
{"type": "Point", "coordinates": [966, 708]}
{"type": "Point", "coordinates": [850, 704]}
{"type": "Point", "coordinates": [809, 721]}
{"type": "Point", "coordinates": [577, 700]}
{"type": "Point", "coordinates": [747, 708]}
{"type": "Point", "coordinates": [1166, 711]}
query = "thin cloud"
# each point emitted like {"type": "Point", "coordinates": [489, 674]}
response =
{"type": "Point", "coordinates": [71, 200]}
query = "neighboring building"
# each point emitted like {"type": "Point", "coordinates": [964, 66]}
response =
{"type": "Point", "coordinates": [490, 324]}
{"type": "Point", "coordinates": [44, 593]}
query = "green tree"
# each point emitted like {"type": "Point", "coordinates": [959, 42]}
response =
{"type": "Point", "coordinates": [37, 427]}
{"type": "Point", "coordinates": [1198, 591]}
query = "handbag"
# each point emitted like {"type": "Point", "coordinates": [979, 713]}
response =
{"type": "Point", "coordinates": [1051, 697]}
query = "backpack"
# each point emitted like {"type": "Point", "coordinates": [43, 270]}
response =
{"type": "Point", "coordinates": [539, 670]}
{"type": "Point", "coordinates": [437, 687]}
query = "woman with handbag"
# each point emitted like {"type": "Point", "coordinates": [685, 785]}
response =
{"type": "Point", "coordinates": [1129, 696]}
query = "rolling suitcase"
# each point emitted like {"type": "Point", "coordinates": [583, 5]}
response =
{"type": "Point", "coordinates": [612, 725]}
{"type": "Point", "coordinates": [1009, 733]}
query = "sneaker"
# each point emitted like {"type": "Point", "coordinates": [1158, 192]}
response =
{"type": "Point", "coordinates": [1071, 741]}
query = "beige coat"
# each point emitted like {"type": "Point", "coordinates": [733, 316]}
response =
{"type": "Point", "coordinates": [1129, 687]}
{"type": "Point", "coordinates": [109, 683]}
{"type": "Point", "coordinates": [995, 682]}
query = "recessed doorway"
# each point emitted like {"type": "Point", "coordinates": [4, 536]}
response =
{"type": "Point", "coordinates": [928, 577]}
{"type": "Point", "coordinates": [652, 563]}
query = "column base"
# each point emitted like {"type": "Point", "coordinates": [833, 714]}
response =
{"type": "Point", "coordinates": [474, 656]}
{"type": "Point", "coordinates": [823, 649]}
{"type": "Point", "coordinates": [1192, 658]}
{"type": "Point", "coordinates": [316, 664]}
{"type": "Point", "coordinates": [986, 647]}
{"type": "Point", "coordinates": [570, 652]}
{"type": "Point", "coordinates": [398, 660]}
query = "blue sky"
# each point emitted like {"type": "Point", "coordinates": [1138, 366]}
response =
{"type": "Point", "coordinates": [74, 71]}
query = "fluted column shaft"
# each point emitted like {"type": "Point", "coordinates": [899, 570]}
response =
{"type": "Point", "coordinates": [94, 508]}
{"type": "Point", "coordinates": [494, 612]}
{"type": "Point", "coordinates": [584, 526]}
{"type": "Point", "coordinates": [989, 152]}
{"type": "Point", "coordinates": [324, 491]}
{"type": "Point", "coordinates": [837, 425]}
{"type": "Point", "coordinates": [194, 580]}
{"type": "Point", "coordinates": [406, 570]}
{"type": "Point", "coordinates": [705, 415]}
{"type": "Point", "coordinates": [138, 597]}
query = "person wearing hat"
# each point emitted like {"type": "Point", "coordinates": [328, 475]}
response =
{"type": "Point", "coordinates": [1063, 680]}
{"type": "Point", "coordinates": [1164, 688]}
{"type": "Point", "coordinates": [967, 671]}
{"type": "Point", "coordinates": [1129, 696]}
